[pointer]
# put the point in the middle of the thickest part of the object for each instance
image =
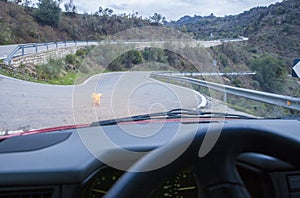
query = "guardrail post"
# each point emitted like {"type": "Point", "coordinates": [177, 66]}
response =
{"type": "Point", "coordinates": [198, 88]}
{"type": "Point", "coordinates": [23, 51]}
{"type": "Point", "coordinates": [225, 97]}
{"type": "Point", "coordinates": [36, 49]}
{"type": "Point", "coordinates": [47, 46]}
{"type": "Point", "coordinates": [65, 43]}
{"type": "Point", "coordinates": [56, 45]}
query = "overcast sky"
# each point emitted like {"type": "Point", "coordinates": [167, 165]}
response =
{"type": "Point", "coordinates": [172, 9]}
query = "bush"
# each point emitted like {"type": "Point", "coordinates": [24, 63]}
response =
{"type": "Point", "coordinates": [126, 61]}
{"type": "Point", "coordinates": [50, 70]}
{"type": "Point", "coordinates": [70, 59]}
{"type": "Point", "coordinates": [255, 84]}
{"type": "Point", "coordinates": [237, 83]}
{"type": "Point", "coordinates": [48, 13]}
{"type": "Point", "coordinates": [270, 71]}
{"type": "Point", "coordinates": [81, 52]}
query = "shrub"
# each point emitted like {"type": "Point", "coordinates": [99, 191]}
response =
{"type": "Point", "coordinates": [81, 52]}
{"type": "Point", "coordinates": [269, 70]}
{"type": "Point", "coordinates": [50, 70]}
{"type": "Point", "coordinates": [70, 59]}
{"type": "Point", "coordinates": [48, 13]}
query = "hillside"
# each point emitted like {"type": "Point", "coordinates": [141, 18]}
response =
{"type": "Point", "coordinates": [274, 29]}
{"type": "Point", "coordinates": [19, 25]}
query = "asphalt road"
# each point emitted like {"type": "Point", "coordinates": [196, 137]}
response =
{"type": "Point", "coordinates": [34, 106]}
{"type": "Point", "coordinates": [5, 50]}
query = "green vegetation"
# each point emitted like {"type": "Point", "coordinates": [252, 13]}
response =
{"type": "Point", "coordinates": [62, 71]}
{"type": "Point", "coordinates": [133, 58]}
{"type": "Point", "coordinates": [68, 79]}
{"type": "Point", "coordinates": [268, 70]}
{"type": "Point", "coordinates": [48, 13]}
{"type": "Point", "coordinates": [51, 70]}
{"type": "Point", "coordinates": [232, 57]}
{"type": "Point", "coordinates": [255, 108]}
{"type": "Point", "coordinates": [47, 22]}
{"type": "Point", "coordinates": [18, 73]}
{"type": "Point", "coordinates": [126, 61]}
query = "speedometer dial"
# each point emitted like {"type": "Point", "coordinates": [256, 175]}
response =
{"type": "Point", "coordinates": [181, 186]}
{"type": "Point", "coordinates": [99, 184]}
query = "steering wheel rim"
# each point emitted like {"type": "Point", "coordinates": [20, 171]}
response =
{"type": "Point", "coordinates": [216, 171]}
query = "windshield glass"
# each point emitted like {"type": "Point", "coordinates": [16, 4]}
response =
{"type": "Point", "coordinates": [76, 65]}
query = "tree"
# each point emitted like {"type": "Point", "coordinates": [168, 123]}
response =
{"type": "Point", "coordinates": [157, 18]}
{"type": "Point", "coordinates": [70, 8]}
{"type": "Point", "coordinates": [105, 11]}
{"type": "Point", "coordinates": [270, 72]}
{"type": "Point", "coordinates": [48, 12]}
{"type": "Point", "coordinates": [126, 61]}
{"type": "Point", "coordinates": [27, 4]}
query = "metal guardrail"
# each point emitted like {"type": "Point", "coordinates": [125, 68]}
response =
{"type": "Point", "coordinates": [210, 73]}
{"type": "Point", "coordinates": [41, 47]}
{"type": "Point", "coordinates": [20, 49]}
{"type": "Point", "coordinates": [270, 98]}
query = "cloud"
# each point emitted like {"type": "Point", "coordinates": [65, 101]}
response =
{"type": "Point", "coordinates": [123, 6]}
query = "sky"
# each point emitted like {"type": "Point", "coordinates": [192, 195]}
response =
{"type": "Point", "coordinates": [172, 9]}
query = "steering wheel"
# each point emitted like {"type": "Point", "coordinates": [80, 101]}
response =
{"type": "Point", "coordinates": [216, 171]}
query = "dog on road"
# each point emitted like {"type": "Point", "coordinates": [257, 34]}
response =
{"type": "Point", "coordinates": [96, 97]}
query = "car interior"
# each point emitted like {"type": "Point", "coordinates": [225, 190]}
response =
{"type": "Point", "coordinates": [251, 158]}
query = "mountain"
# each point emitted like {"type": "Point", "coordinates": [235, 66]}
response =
{"type": "Point", "coordinates": [212, 27]}
{"type": "Point", "coordinates": [272, 29]}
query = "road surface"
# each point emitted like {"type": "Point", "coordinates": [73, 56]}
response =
{"type": "Point", "coordinates": [33, 106]}
{"type": "Point", "coordinates": [5, 50]}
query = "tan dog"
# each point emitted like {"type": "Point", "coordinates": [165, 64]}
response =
{"type": "Point", "coordinates": [96, 97]}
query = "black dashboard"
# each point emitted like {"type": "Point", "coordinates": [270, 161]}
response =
{"type": "Point", "coordinates": [70, 163]}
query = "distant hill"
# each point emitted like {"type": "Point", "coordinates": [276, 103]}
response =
{"type": "Point", "coordinates": [273, 29]}
{"type": "Point", "coordinates": [19, 25]}
{"type": "Point", "coordinates": [212, 27]}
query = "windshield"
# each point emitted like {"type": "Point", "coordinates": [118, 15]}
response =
{"type": "Point", "coordinates": [76, 65]}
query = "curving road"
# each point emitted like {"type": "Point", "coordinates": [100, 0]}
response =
{"type": "Point", "coordinates": [5, 50]}
{"type": "Point", "coordinates": [33, 105]}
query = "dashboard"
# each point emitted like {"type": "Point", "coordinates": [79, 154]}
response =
{"type": "Point", "coordinates": [62, 164]}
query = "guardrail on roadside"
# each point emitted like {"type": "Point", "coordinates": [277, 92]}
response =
{"type": "Point", "coordinates": [20, 49]}
{"type": "Point", "coordinates": [210, 73]}
{"type": "Point", "coordinates": [270, 98]}
{"type": "Point", "coordinates": [36, 47]}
